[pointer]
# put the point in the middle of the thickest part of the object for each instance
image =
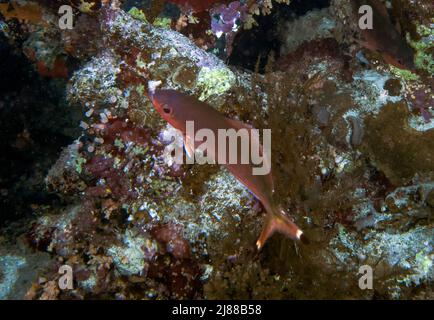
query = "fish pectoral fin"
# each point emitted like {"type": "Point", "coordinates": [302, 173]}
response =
{"type": "Point", "coordinates": [189, 147]}
{"type": "Point", "coordinates": [281, 223]}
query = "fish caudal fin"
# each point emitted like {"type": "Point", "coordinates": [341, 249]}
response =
{"type": "Point", "coordinates": [278, 221]}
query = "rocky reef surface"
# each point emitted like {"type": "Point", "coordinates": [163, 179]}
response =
{"type": "Point", "coordinates": [85, 180]}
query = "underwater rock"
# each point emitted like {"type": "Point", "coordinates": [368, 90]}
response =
{"type": "Point", "coordinates": [9, 266]}
{"type": "Point", "coordinates": [161, 52]}
{"type": "Point", "coordinates": [401, 152]}
{"type": "Point", "coordinates": [410, 254]}
{"type": "Point", "coordinates": [19, 267]}
{"type": "Point", "coordinates": [131, 258]}
{"type": "Point", "coordinates": [316, 24]}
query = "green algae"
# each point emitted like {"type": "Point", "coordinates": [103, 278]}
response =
{"type": "Point", "coordinates": [78, 164]}
{"type": "Point", "coordinates": [424, 48]}
{"type": "Point", "coordinates": [214, 81]}
{"type": "Point", "coordinates": [162, 22]}
{"type": "Point", "coordinates": [138, 14]}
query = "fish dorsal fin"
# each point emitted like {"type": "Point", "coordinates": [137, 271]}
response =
{"type": "Point", "coordinates": [238, 124]}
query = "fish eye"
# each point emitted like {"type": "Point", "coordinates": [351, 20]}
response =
{"type": "Point", "coordinates": [167, 110]}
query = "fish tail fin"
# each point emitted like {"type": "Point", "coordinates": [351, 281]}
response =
{"type": "Point", "coordinates": [277, 220]}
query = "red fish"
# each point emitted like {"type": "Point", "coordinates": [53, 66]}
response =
{"type": "Point", "coordinates": [384, 37]}
{"type": "Point", "coordinates": [178, 108]}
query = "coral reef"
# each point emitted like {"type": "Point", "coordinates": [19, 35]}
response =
{"type": "Point", "coordinates": [352, 152]}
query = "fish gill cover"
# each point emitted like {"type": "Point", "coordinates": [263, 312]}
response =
{"type": "Point", "coordinates": [87, 183]}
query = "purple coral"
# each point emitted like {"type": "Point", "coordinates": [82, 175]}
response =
{"type": "Point", "coordinates": [423, 100]}
{"type": "Point", "coordinates": [224, 18]}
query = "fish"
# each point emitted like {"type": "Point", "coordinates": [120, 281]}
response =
{"type": "Point", "coordinates": [384, 38]}
{"type": "Point", "coordinates": [177, 108]}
